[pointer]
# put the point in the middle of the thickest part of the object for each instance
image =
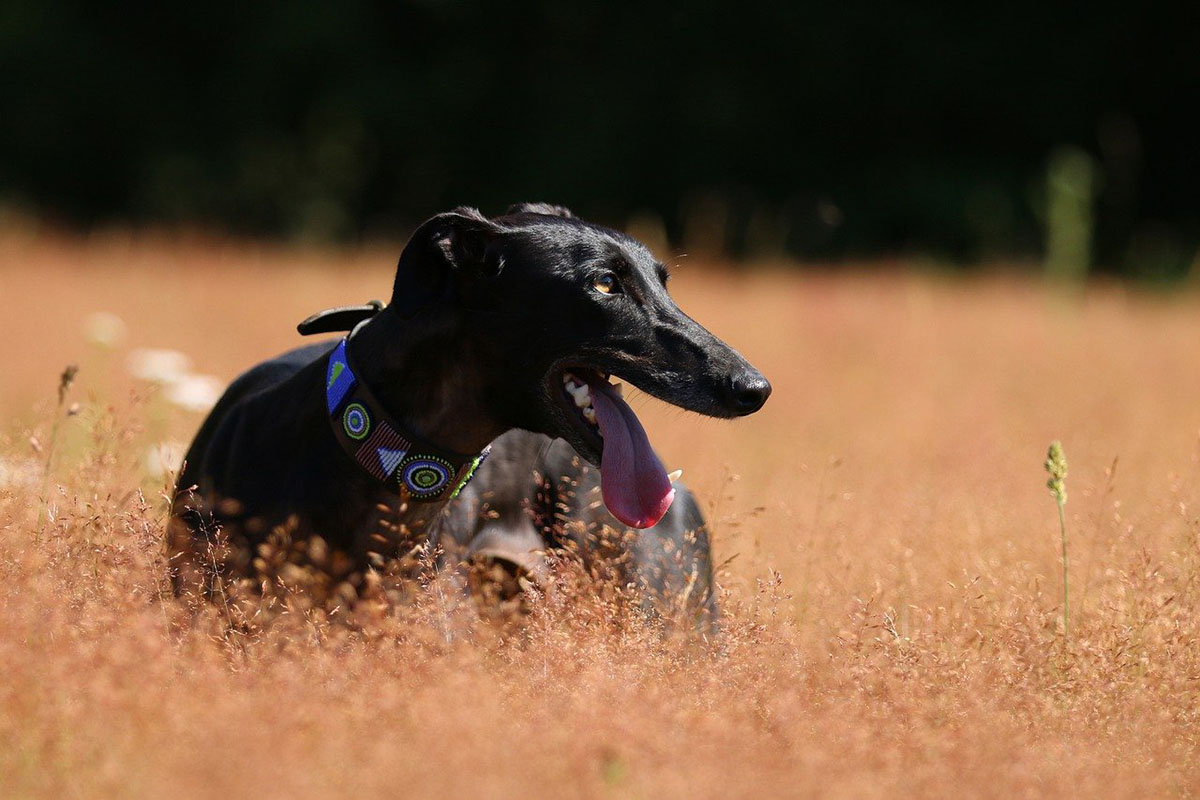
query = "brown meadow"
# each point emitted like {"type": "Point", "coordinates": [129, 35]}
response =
{"type": "Point", "coordinates": [891, 582]}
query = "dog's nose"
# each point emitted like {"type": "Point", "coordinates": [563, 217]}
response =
{"type": "Point", "coordinates": [748, 391]}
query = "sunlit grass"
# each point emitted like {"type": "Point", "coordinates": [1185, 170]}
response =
{"type": "Point", "coordinates": [892, 613]}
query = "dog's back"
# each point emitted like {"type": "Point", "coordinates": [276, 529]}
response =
{"type": "Point", "coordinates": [259, 378]}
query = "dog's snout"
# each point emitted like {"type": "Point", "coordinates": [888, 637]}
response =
{"type": "Point", "coordinates": [748, 390]}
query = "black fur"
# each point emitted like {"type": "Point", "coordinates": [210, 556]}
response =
{"type": "Point", "coordinates": [485, 315]}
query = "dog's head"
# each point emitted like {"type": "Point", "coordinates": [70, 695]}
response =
{"type": "Point", "coordinates": [554, 307]}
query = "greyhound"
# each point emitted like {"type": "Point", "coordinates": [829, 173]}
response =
{"type": "Point", "coordinates": [500, 338]}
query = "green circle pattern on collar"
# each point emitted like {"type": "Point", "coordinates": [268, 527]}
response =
{"type": "Point", "coordinates": [425, 476]}
{"type": "Point", "coordinates": [356, 421]}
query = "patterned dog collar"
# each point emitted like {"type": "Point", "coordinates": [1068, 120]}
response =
{"type": "Point", "coordinates": [382, 447]}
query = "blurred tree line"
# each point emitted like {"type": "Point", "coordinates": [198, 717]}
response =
{"type": "Point", "coordinates": [756, 129]}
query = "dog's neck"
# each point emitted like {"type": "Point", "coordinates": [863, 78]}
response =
{"type": "Point", "coordinates": [419, 370]}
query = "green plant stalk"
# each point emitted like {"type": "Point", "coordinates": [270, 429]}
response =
{"type": "Point", "coordinates": [1062, 526]}
{"type": "Point", "coordinates": [45, 494]}
{"type": "Point", "coordinates": [1056, 466]}
{"type": "Point", "coordinates": [64, 385]}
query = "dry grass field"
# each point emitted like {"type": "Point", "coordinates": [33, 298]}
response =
{"type": "Point", "coordinates": [891, 576]}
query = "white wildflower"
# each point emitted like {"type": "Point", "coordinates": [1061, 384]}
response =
{"type": "Point", "coordinates": [104, 329]}
{"type": "Point", "coordinates": [158, 365]}
{"type": "Point", "coordinates": [196, 392]}
{"type": "Point", "coordinates": [19, 473]}
{"type": "Point", "coordinates": [163, 459]}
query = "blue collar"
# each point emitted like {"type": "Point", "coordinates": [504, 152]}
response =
{"type": "Point", "coordinates": [381, 446]}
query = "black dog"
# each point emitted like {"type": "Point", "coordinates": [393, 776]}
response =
{"type": "Point", "coordinates": [494, 324]}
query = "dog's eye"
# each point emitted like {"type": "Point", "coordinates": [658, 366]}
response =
{"type": "Point", "coordinates": [607, 283]}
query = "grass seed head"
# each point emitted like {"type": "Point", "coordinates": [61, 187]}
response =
{"type": "Point", "coordinates": [1056, 466]}
{"type": "Point", "coordinates": [65, 380]}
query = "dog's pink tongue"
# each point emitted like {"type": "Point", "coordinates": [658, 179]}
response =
{"type": "Point", "coordinates": [636, 488]}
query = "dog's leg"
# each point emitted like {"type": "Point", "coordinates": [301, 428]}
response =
{"type": "Point", "coordinates": [671, 564]}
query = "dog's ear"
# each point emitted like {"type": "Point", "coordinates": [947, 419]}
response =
{"type": "Point", "coordinates": [455, 241]}
{"type": "Point", "coordinates": [545, 209]}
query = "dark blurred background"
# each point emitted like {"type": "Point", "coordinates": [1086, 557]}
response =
{"type": "Point", "coordinates": [826, 131]}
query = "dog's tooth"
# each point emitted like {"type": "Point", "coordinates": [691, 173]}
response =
{"type": "Point", "coordinates": [582, 396]}
{"type": "Point", "coordinates": [589, 414]}
{"type": "Point", "coordinates": [674, 476]}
